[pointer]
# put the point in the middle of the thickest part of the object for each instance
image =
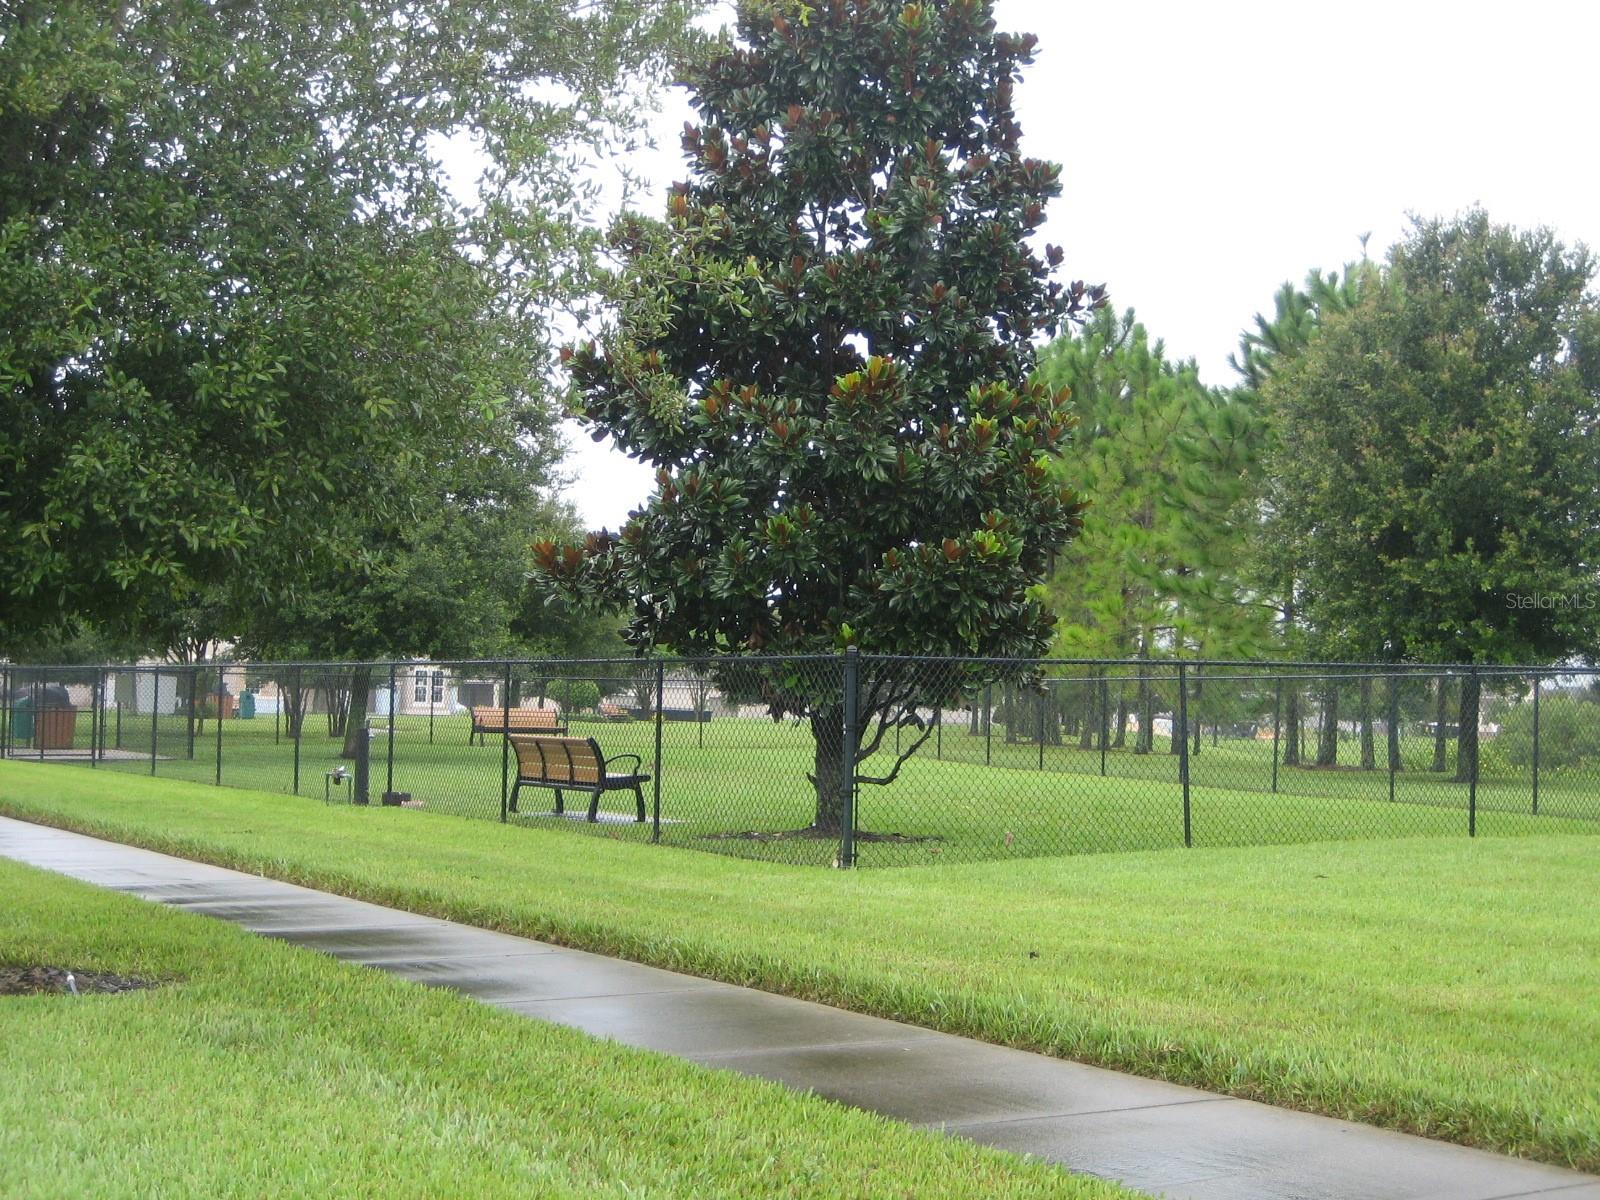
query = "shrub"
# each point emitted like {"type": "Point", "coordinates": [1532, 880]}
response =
{"type": "Point", "coordinates": [574, 694]}
{"type": "Point", "coordinates": [1569, 733]}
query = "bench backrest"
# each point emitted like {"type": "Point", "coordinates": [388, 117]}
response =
{"type": "Point", "coordinates": [559, 759]}
{"type": "Point", "coordinates": [516, 718]}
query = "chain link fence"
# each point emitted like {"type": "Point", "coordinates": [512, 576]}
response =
{"type": "Point", "coordinates": [858, 759]}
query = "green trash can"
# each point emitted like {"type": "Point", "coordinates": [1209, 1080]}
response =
{"type": "Point", "coordinates": [247, 706]}
{"type": "Point", "coordinates": [22, 719]}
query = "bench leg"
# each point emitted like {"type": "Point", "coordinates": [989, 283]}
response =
{"type": "Point", "coordinates": [517, 788]}
{"type": "Point", "coordinates": [594, 805]}
{"type": "Point", "coordinates": [638, 795]}
{"type": "Point", "coordinates": [560, 802]}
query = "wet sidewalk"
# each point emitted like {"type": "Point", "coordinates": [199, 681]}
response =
{"type": "Point", "coordinates": [1158, 1137]}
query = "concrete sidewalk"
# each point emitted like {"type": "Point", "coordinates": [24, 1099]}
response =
{"type": "Point", "coordinates": [1158, 1137]}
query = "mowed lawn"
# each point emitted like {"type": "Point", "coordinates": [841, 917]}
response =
{"type": "Point", "coordinates": [1441, 986]}
{"type": "Point", "coordinates": [733, 783]}
{"type": "Point", "coordinates": [260, 1069]}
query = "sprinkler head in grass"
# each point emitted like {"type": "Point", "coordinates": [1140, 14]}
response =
{"type": "Point", "coordinates": [72, 984]}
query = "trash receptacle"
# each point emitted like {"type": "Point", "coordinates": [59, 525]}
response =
{"type": "Point", "coordinates": [247, 706]}
{"type": "Point", "coordinates": [22, 719]}
{"type": "Point", "coordinates": [57, 719]}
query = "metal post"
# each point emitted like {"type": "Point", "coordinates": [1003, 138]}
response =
{"type": "Point", "coordinates": [38, 717]}
{"type": "Point", "coordinates": [847, 758]}
{"type": "Point", "coordinates": [1183, 752]}
{"type": "Point", "coordinates": [119, 712]}
{"type": "Point", "coordinates": [431, 674]}
{"type": "Point", "coordinates": [655, 776]}
{"type": "Point", "coordinates": [1537, 680]}
{"type": "Point", "coordinates": [221, 677]}
{"type": "Point", "coordinates": [155, 712]}
{"type": "Point", "coordinates": [505, 742]}
{"type": "Point", "coordinates": [5, 712]}
{"type": "Point", "coordinates": [1277, 725]}
{"type": "Point", "coordinates": [388, 783]}
{"type": "Point", "coordinates": [988, 721]}
{"type": "Point", "coordinates": [1472, 776]}
{"type": "Point", "coordinates": [938, 733]}
{"type": "Point", "coordinates": [300, 709]}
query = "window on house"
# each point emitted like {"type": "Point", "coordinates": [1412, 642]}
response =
{"type": "Point", "coordinates": [438, 687]}
{"type": "Point", "coordinates": [419, 693]}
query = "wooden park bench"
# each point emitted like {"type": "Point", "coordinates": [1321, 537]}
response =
{"type": "Point", "coordinates": [569, 764]}
{"type": "Point", "coordinates": [614, 712]}
{"type": "Point", "coordinates": [516, 720]}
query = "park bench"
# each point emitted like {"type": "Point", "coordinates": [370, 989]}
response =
{"type": "Point", "coordinates": [613, 712]}
{"type": "Point", "coordinates": [570, 764]}
{"type": "Point", "coordinates": [514, 720]}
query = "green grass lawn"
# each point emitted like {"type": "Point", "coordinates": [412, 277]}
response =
{"type": "Point", "coordinates": [260, 1069]}
{"type": "Point", "coordinates": [968, 797]}
{"type": "Point", "coordinates": [1441, 986]}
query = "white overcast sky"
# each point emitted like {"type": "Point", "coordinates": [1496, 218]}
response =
{"type": "Point", "coordinates": [1213, 150]}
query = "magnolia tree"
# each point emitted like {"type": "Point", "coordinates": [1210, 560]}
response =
{"type": "Point", "coordinates": [825, 350]}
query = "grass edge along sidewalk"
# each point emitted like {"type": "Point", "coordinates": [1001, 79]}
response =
{"type": "Point", "coordinates": [1437, 987]}
{"type": "Point", "coordinates": [262, 1067]}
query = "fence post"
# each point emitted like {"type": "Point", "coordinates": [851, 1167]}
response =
{"type": "Point", "coordinates": [5, 712]}
{"type": "Point", "coordinates": [847, 757]}
{"type": "Point", "coordinates": [505, 742]}
{"type": "Point", "coordinates": [1472, 775]}
{"type": "Point", "coordinates": [221, 679]}
{"type": "Point", "coordinates": [655, 776]}
{"type": "Point", "coordinates": [155, 712]}
{"type": "Point", "coordinates": [299, 720]}
{"type": "Point", "coordinates": [938, 733]}
{"type": "Point", "coordinates": [1277, 725]}
{"type": "Point", "coordinates": [1182, 734]}
{"type": "Point", "coordinates": [388, 780]}
{"type": "Point", "coordinates": [38, 716]}
{"type": "Point", "coordinates": [119, 710]}
{"type": "Point", "coordinates": [1537, 680]}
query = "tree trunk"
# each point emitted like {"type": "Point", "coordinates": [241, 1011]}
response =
{"type": "Point", "coordinates": [355, 723]}
{"type": "Point", "coordinates": [338, 700]}
{"type": "Point", "coordinates": [1093, 718]}
{"type": "Point", "coordinates": [1119, 737]}
{"type": "Point", "coordinates": [1467, 730]}
{"type": "Point", "coordinates": [1440, 710]}
{"type": "Point", "coordinates": [1328, 726]}
{"type": "Point", "coordinates": [1199, 721]}
{"type": "Point", "coordinates": [827, 732]}
{"type": "Point", "coordinates": [293, 698]}
{"type": "Point", "coordinates": [1291, 727]}
{"type": "Point", "coordinates": [1393, 722]}
{"type": "Point", "coordinates": [1369, 757]}
{"type": "Point", "coordinates": [1144, 741]}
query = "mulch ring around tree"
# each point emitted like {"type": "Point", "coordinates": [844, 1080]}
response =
{"type": "Point", "coordinates": [812, 833]}
{"type": "Point", "coordinates": [30, 981]}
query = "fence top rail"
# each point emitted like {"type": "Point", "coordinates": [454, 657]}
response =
{"type": "Point", "coordinates": [1255, 668]}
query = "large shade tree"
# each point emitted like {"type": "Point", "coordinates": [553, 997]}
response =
{"type": "Point", "coordinates": [825, 350]}
{"type": "Point", "coordinates": [236, 286]}
{"type": "Point", "coordinates": [1437, 451]}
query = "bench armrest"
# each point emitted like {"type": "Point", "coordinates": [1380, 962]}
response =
{"type": "Point", "coordinates": [637, 761]}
